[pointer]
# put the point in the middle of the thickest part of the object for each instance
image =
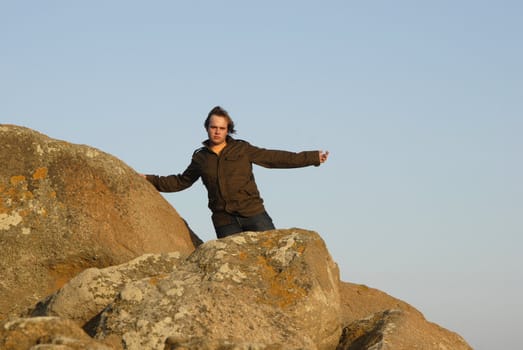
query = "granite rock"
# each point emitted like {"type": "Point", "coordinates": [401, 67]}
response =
{"type": "Point", "coordinates": [67, 207]}
{"type": "Point", "coordinates": [275, 288]}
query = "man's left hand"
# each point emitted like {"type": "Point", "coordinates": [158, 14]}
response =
{"type": "Point", "coordinates": [323, 156]}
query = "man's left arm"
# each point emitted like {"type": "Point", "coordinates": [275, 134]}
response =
{"type": "Point", "coordinates": [285, 159]}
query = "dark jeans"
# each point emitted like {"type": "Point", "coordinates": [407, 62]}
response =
{"type": "Point", "coordinates": [258, 222]}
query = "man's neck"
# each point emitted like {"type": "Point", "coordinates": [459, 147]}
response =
{"type": "Point", "coordinates": [217, 148]}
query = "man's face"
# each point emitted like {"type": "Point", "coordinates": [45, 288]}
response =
{"type": "Point", "coordinates": [217, 130]}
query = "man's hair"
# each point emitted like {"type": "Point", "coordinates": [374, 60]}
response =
{"type": "Point", "coordinates": [220, 112]}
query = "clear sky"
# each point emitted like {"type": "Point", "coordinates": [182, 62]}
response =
{"type": "Point", "coordinates": [420, 104]}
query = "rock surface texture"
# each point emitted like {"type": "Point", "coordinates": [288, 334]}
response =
{"type": "Point", "coordinates": [46, 333]}
{"type": "Point", "coordinates": [274, 288]}
{"type": "Point", "coordinates": [65, 208]}
{"type": "Point", "coordinates": [115, 268]}
{"type": "Point", "coordinates": [375, 320]}
{"type": "Point", "coordinates": [277, 289]}
{"type": "Point", "coordinates": [88, 293]}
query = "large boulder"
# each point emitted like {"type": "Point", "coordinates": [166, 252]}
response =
{"type": "Point", "coordinates": [88, 293]}
{"type": "Point", "coordinates": [373, 319]}
{"type": "Point", "coordinates": [398, 329]}
{"type": "Point", "coordinates": [359, 301]}
{"type": "Point", "coordinates": [67, 207]}
{"type": "Point", "coordinates": [277, 289]}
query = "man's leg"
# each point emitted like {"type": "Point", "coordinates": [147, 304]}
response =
{"type": "Point", "coordinates": [259, 222]}
{"type": "Point", "coordinates": [227, 230]}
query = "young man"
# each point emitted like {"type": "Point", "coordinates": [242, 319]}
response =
{"type": "Point", "coordinates": [225, 166]}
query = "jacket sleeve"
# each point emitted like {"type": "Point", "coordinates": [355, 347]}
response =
{"type": "Point", "coordinates": [175, 183]}
{"type": "Point", "coordinates": [282, 159]}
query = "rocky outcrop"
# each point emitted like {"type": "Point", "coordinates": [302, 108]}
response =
{"type": "Point", "coordinates": [88, 293]}
{"type": "Point", "coordinates": [375, 320]}
{"type": "Point", "coordinates": [65, 208]}
{"type": "Point", "coordinates": [73, 211]}
{"type": "Point", "coordinates": [359, 302]}
{"type": "Point", "coordinates": [277, 289]}
{"type": "Point", "coordinates": [398, 329]}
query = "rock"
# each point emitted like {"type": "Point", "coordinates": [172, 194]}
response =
{"type": "Point", "coordinates": [375, 320]}
{"type": "Point", "coordinates": [359, 301]}
{"type": "Point", "coordinates": [173, 343]}
{"type": "Point", "coordinates": [50, 333]}
{"type": "Point", "coordinates": [65, 208]}
{"type": "Point", "coordinates": [398, 329]}
{"type": "Point", "coordinates": [276, 289]}
{"type": "Point", "coordinates": [254, 291]}
{"type": "Point", "coordinates": [88, 293]}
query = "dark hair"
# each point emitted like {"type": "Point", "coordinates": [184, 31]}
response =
{"type": "Point", "coordinates": [220, 112]}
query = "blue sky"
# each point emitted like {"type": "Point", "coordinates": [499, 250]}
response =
{"type": "Point", "coordinates": [419, 103]}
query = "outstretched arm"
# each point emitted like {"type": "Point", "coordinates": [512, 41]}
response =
{"type": "Point", "coordinates": [285, 159]}
{"type": "Point", "coordinates": [174, 183]}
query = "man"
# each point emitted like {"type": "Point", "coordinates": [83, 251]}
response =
{"type": "Point", "coordinates": [225, 166]}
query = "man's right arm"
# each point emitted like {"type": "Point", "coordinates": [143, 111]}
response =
{"type": "Point", "coordinates": [175, 183]}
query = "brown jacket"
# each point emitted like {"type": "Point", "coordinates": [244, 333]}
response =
{"type": "Point", "coordinates": [228, 176]}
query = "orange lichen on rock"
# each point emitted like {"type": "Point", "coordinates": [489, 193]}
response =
{"type": "Point", "coordinates": [282, 287]}
{"type": "Point", "coordinates": [155, 279]}
{"type": "Point", "coordinates": [15, 180]}
{"type": "Point", "coordinates": [3, 208]}
{"type": "Point", "coordinates": [24, 212]}
{"type": "Point", "coordinates": [12, 196]}
{"type": "Point", "coordinates": [269, 242]}
{"type": "Point", "coordinates": [40, 173]}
